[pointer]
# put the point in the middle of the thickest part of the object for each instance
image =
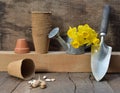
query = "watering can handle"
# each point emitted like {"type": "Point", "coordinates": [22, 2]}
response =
{"type": "Point", "coordinates": [105, 19]}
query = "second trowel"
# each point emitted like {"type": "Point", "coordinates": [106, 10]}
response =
{"type": "Point", "coordinates": [100, 58]}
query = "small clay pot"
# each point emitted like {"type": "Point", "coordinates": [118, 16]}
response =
{"type": "Point", "coordinates": [21, 46]}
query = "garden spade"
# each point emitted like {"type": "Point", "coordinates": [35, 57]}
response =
{"type": "Point", "coordinates": [100, 57]}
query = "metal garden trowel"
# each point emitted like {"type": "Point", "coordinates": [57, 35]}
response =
{"type": "Point", "coordinates": [100, 58]}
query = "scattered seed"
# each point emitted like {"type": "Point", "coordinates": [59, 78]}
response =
{"type": "Point", "coordinates": [43, 85]}
{"type": "Point", "coordinates": [34, 80]}
{"type": "Point", "coordinates": [52, 79]}
{"type": "Point", "coordinates": [48, 80]}
{"type": "Point", "coordinates": [35, 84]}
{"type": "Point", "coordinates": [29, 82]}
{"type": "Point", "coordinates": [40, 83]}
{"type": "Point", "coordinates": [44, 77]}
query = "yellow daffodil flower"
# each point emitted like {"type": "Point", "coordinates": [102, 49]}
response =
{"type": "Point", "coordinates": [82, 35]}
{"type": "Point", "coordinates": [75, 44]}
{"type": "Point", "coordinates": [71, 32]}
{"type": "Point", "coordinates": [95, 41]}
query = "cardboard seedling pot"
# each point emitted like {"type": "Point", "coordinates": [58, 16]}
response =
{"type": "Point", "coordinates": [41, 26]}
{"type": "Point", "coordinates": [21, 46]}
{"type": "Point", "coordinates": [24, 69]}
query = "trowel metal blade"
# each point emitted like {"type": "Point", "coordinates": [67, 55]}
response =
{"type": "Point", "coordinates": [100, 60]}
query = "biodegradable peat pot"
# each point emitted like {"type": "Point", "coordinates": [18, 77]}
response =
{"type": "Point", "coordinates": [24, 69]}
{"type": "Point", "coordinates": [21, 46]}
{"type": "Point", "coordinates": [41, 26]}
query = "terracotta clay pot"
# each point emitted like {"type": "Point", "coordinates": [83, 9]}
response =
{"type": "Point", "coordinates": [21, 46]}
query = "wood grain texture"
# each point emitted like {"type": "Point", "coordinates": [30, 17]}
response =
{"type": "Point", "coordinates": [82, 82]}
{"type": "Point", "coordinates": [65, 83]}
{"type": "Point", "coordinates": [102, 87]}
{"type": "Point", "coordinates": [58, 61]}
{"type": "Point", "coordinates": [3, 77]}
{"type": "Point", "coordinates": [111, 78]}
{"type": "Point", "coordinates": [23, 87]}
{"type": "Point", "coordinates": [15, 19]}
{"type": "Point", "coordinates": [9, 85]}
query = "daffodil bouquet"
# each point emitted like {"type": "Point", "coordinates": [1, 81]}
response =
{"type": "Point", "coordinates": [83, 35]}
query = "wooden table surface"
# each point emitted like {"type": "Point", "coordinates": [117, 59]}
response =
{"type": "Point", "coordinates": [65, 83]}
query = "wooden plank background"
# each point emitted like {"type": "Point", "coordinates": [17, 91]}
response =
{"type": "Point", "coordinates": [15, 19]}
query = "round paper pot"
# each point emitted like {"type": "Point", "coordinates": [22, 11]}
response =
{"type": "Point", "coordinates": [24, 69]}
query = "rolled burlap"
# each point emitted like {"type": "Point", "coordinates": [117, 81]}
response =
{"type": "Point", "coordinates": [41, 26]}
{"type": "Point", "coordinates": [24, 69]}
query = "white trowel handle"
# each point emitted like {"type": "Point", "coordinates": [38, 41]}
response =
{"type": "Point", "coordinates": [105, 19]}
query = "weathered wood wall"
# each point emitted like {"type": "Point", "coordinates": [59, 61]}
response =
{"type": "Point", "coordinates": [15, 19]}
